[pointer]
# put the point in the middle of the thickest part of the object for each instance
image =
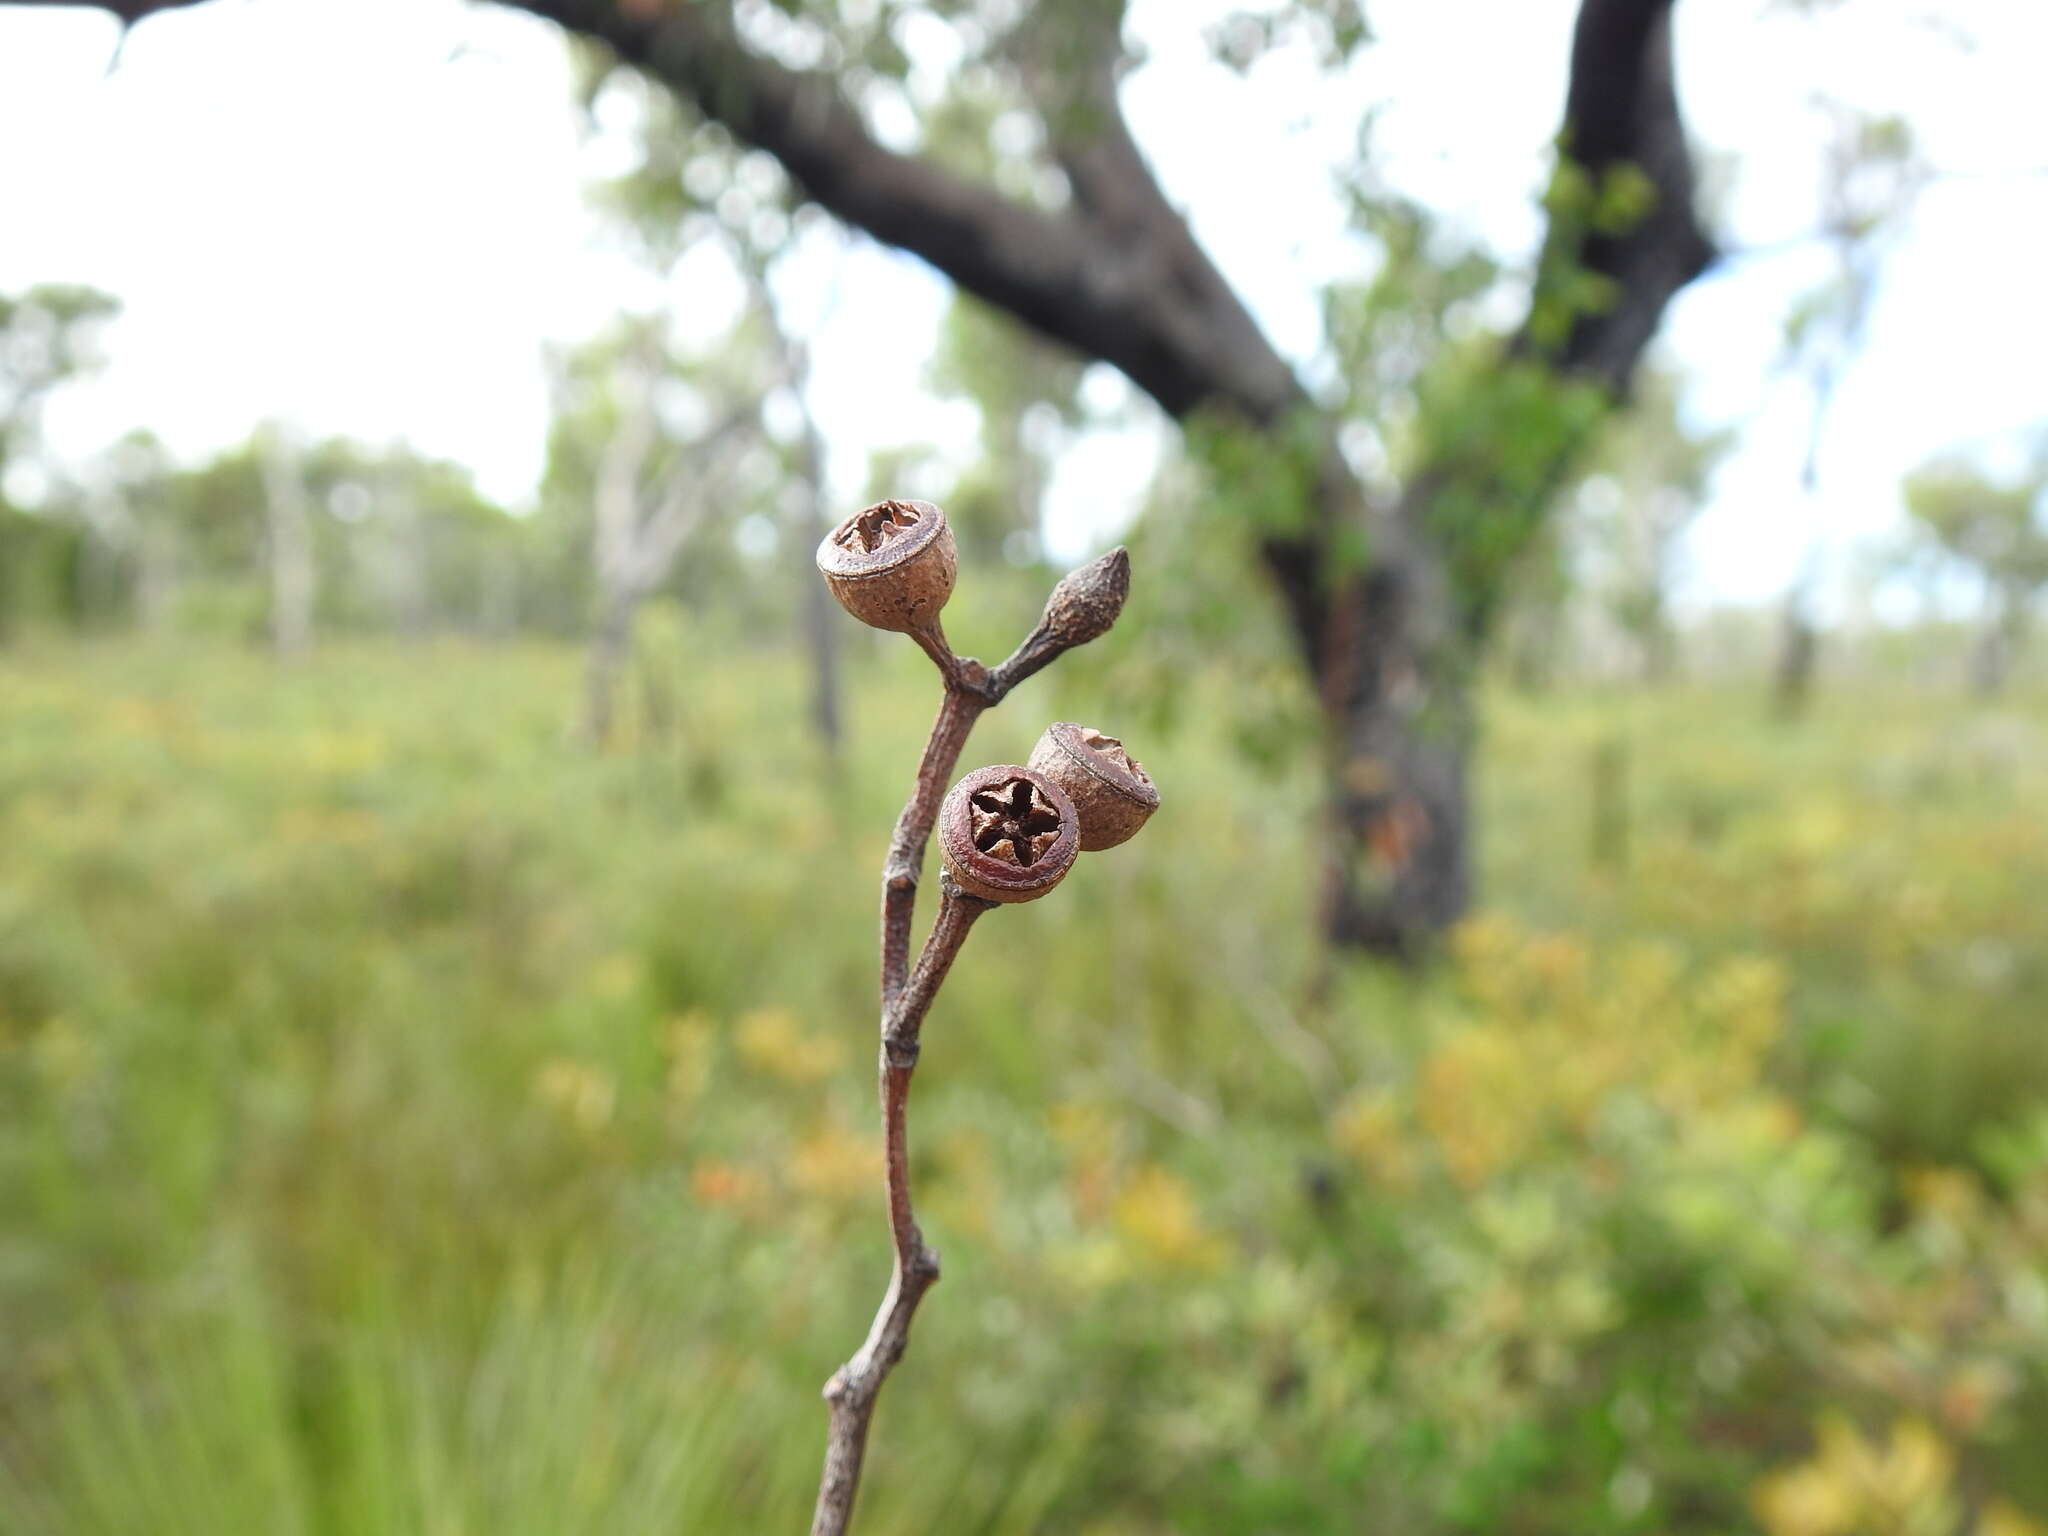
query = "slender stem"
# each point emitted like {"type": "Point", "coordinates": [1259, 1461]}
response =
{"type": "Point", "coordinates": [852, 1391]}
{"type": "Point", "coordinates": [932, 641]}
{"type": "Point", "coordinates": [1082, 606]}
{"type": "Point", "coordinates": [1039, 650]}
{"type": "Point", "coordinates": [957, 714]}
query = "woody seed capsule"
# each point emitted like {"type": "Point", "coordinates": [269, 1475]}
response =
{"type": "Point", "coordinates": [891, 565]}
{"type": "Point", "coordinates": [1008, 834]}
{"type": "Point", "coordinates": [1111, 791]}
{"type": "Point", "coordinates": [1085, 602]}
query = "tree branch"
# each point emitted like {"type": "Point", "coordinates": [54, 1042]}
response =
{"type": "Point", "coordinates": [1072, 58]}
{"type": "Point", "coordinates": [128, 12]}
{"type": "Point", "coordinates": [1622, 110]}
{"type": "Point", "coordinates": [1069, 277]}
{"type": "Point", "coordinates": [619, 471]}
{"type": "Point", "coordinates": [686, 495]}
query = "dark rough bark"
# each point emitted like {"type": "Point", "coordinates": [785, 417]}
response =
{"type": "Point", "coordinates": [1622, 109]}
{"type": "Point", "coordinates": [1119, 277]}
{"type": "Point", "coordinates": [1402, 643]}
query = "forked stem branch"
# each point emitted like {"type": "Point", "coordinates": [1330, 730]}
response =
{"type": "Point", "coordinates": [1081, 607]}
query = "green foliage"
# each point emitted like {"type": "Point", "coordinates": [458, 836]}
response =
{"type": "Point", "coordinates": [1993, 529]}
{"type": "Point", "coordinates": [409, 1121]}
{"type": "Point", "coordinates": [1195, 539]}
{"type": "Point", "coordinates": [1502, 436]}
{"type": "Point", "coordinates": [1612, 544]}
{"type": "Point", "coordinates": [1476, 433]}
{"type": "Point", "coordinates": [1580, 204]}
{"type": "Point", "coordinates": [1261, 481]}
{"type": "Point", "coordinates": [399, 541]}
{"type": "Point", "coordinates": [688, 181]}
{"type": "Point", "coordinates": [1414, 316]}
{"type": "Point", "coordinates": [1990, 525]}
{"type": "Point", "coordinates": [1333, 31]}
{"type": "Point", "coordinates": [39, 562]}
{"type": "Point", "coordinates": [49, 336]}
{"type": "Point", "coordinates": [1871, 182]}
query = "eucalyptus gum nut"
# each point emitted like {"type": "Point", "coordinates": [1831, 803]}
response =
{"type": "Point", "coordinates": [891, 565]}
{"type": "Point", "coordinates": [1008, 834]}
{"type": "Point", "coordinates": [1085, 602]}
{"type": "Point", "coordinates": [1111, 792]}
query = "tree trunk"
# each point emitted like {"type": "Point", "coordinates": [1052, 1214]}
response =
{"type": "Point", "coordinates": [611, 647]}
{"type": "Point", "coordinates": [1659, 639]}
{"type": "Point", "coordinates": [405, 562]}
{"type": "Point", "coordinates": [1992, 657]}
{"type": "Point", "coordinates": [618, 534]}
{"type": "Point", "coordinates": [820, 615]}
{"type": "Point", "coordinates": [1394, 649]}
{"type": "Point", "coordinates": [1392, 669]}
{"type": "Point", "coordinates": [1400, 865]}
{"type": "Point", "coordinates": [497, 613]}
{"type": "Point", "coordinates": [156, 574]}
{"type": "Point", "coordinates": [288, 520]}
{"type": "Point", "coordinates": [1798, 656]}
{"type": "Point", "coordinates": [807, 517]}
{"type": "Point", "coordinates": [1989, 660]}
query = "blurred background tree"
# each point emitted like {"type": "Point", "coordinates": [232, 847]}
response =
{"type": "Point", "coordinates": [412, 1120]}
{"type": "Point", "coordinates": [1625, 519]}
{"type": "Point", "coordinates": [689, 186]}
{"type": "Point", "coordinates": [1992, 528]}
{"type": "Point", "coordinates": [1390, 601]}
{"type": "Point", "coordinates": [49, 337]}
{"type": "Point", "coordinates": [647, 446]}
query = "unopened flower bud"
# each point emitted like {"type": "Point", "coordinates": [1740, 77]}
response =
{"type": "Point", "coordinates": [1111, 791]}
{"type": "Point", "coordinates": [1008, 834]}
{"type": "Point", "coordinates": [891, 565]}
{"type": "Point", "coordinates": [1086, 601]}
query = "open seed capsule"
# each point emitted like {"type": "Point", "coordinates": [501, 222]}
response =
{"type": "Point", "coordinates": [1008, 834]}
{"type": "Point", "coordinates": [892, 564]}
{"type": "Point", "coordinates": [1112, 793]}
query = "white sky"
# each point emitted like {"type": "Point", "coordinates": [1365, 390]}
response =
{"type": "Point", "coordinates": [367, 216]}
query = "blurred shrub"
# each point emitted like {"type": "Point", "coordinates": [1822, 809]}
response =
{"type": "Point", "coordinates": [409, 1122]}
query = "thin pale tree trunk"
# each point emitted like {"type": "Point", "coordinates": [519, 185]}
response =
{"type": "Point", "coordinates": [289, 522]}
{"type": "Point", "coordinates": [805, 524]}
{"type": "Point", "coordinates": [611, 647]}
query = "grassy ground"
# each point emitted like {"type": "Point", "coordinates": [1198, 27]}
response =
{"type": "Point", "coordinates": [411, 1122]}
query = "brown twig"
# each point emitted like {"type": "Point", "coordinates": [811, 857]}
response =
{"type": "Point", "coordinates": [854, 1386]}
{"type": "Point", "coordinates": [957, 714]}
{"type": "Point", "coordinates": [1082, 606]}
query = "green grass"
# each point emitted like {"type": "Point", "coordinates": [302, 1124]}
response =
{"type": "Point", "coordinates": [410, 1121]}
